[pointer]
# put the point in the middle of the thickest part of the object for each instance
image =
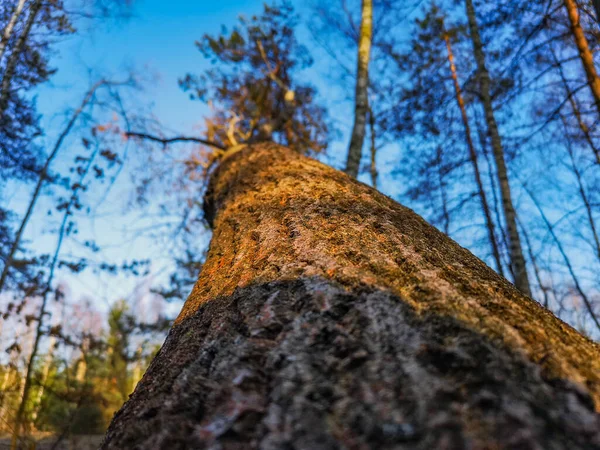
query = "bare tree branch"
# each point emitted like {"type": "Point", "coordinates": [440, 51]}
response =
{"type": "Point", "coordinates": [166, 141]}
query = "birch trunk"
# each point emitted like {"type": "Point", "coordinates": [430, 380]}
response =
{"type": "Point", "coordinates": [8, 29]}
{"type": "Point", "coordinates": [11, 63]}
{"type": "Point", "coordinates": [517, 259]}
{"type": "Point", "coordinates": [361, 105]}
{"type": "Point", "coordinates": [328, 316]}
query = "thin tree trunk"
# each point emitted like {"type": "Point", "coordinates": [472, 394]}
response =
{"type": "Point", "coordinates": [44, 379]}
{"type": "Point", "coordinates": [328, 316]}
{"type": "Point", "coordinates": [361, 105]}
{"type": "Point", "coordinates": [534, 264]}
{"type": "Point", "coordinates": [576, 112]}
{"type": "Point", "coordinates": [494, 188]}
{"type": "Point", "coordinates": [445, 212]}
{"type": "Point", "coordinates": [11, 64]}
{"type": "Point", "coordinates": [517, 259]}
{"type": "Point", "coordinates": [585, 54]}
{"type": "Point", "coordinates": [582, 125]}
{"type": "Point", "coordinates": [82, 367]}
{"type": "Point", "coordinates": [9, 27]}
{"type": "Point", "coordinates": [586, 300]}
{"type": "Point", "coordinates": [473, 158]}
{"type": "Point", "coordinates": [582, 192]}
{"type": "Point", "coordinates": [41, 182]}
{"type": "Point", "coordinates": [373, 166]}
{"type": "Point", "coordinates": [43, 309]}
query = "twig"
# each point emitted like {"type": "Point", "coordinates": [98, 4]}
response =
{"type": "Point", "coordinates": [166, 141]}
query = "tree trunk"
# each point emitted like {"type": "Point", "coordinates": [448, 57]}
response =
{"type": "Point", "coordinates": [373, 165]}
{"type": "Point", "coordinates": [576, 111]}
{"type": "Point", "coordinates": [585, 199]}
{"type": "Point", "coordinates": [7, 33]}
{"type": "Point", "coordinates": [328, 316]}
{"type": "Point", "coordinates": [39, 330]}
{"type": "Point", "coordinates": [473, 158]}
{"type": "Point", "coordinates": [37, 403]}
{"type": "Point", "coordinates": [585, 54]}
{"type": "Point", "coordinates": [11, 64]}
{"type": "Point", "coordinates": [517, 259]}
{"type": "Point", "coordinates": [361, 105]}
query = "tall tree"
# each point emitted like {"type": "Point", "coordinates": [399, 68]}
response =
{"type": "Point", "coordinates": [361, 100]}
{"type": "Point", "coordinates": [15, 55]}
{"type": "Point", "coordinates": [517, 258]}
{"type": "Point", "coordinates": [472, 153]}
{"type": "Point", "coordinates": [254, 91]}
{"type": "Point", "coordinates": [433, 115]}
{"type": "Point", "coordinates": [327, 316]}
{"type": "Point", "coordinates": [585, 53]}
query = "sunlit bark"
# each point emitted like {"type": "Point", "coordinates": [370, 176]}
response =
{"type": "Point", "coordinates": [329, 316]}
{"type": "Point", "coordinates": [585, 54]}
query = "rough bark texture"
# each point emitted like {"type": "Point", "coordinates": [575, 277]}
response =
{"type": "Point", "coordinates": [361, 103]}
{"type": "Point", "coordinates": [585, 54]}
{"type": "Point", "coordinates": [517, 260]}
{"type": "Point", "coordinates": [328, 316]}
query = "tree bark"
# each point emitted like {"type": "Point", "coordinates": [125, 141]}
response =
{"type": "Point", "coordinates": [517, 259]}
{"type": "Point", "coordinates": [361, 103]}
{"type": "Point", "coordinates": [373, 165]}
{"type": "Point", "coordinates": [328, 316]}
{"type": "Point", "coordinates": [7, 33]}
{"type": "Point", "coordinates": [473, 158]}
{"type": "Point", "coordinates": [585, 54]}
{"type": "Point", "coordinates": [11, 64]}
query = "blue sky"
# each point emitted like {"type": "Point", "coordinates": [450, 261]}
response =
{"type": "Point", "coordinates": [157, 42]}
{"type": "Point", "coordinates": [158, 39]}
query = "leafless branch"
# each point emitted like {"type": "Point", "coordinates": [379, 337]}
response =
{"type": "Point", "coordinates": [166, 141]}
